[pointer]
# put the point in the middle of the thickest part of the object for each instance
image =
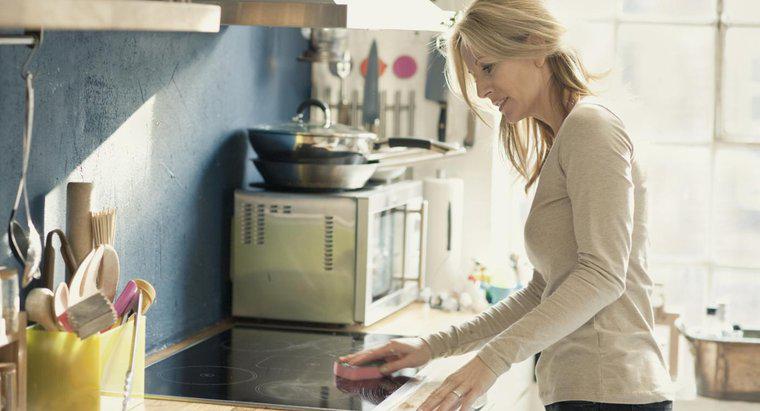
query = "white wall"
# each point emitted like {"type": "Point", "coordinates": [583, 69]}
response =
{"type": "Point", "coordinates": [492, 210]}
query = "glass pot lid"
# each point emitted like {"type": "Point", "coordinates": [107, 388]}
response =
{"type": "Point", "coordinates": [325, 129]}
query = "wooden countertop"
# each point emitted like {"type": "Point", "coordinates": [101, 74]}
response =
{"type": "Point", "coordinates": [416, 319]}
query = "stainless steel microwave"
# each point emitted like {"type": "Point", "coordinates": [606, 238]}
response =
{"type": "Point", "coordinates": [341, 258]}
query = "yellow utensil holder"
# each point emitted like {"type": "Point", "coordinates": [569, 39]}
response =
{"type": "Point", "coordinates": [66, 373]}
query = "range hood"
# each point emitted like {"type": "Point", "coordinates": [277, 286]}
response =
{"type": "Point", "coordinates": [421, 15]}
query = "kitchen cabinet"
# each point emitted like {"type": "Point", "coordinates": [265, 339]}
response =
{"type": "Point", "coordinates": [514, 387]}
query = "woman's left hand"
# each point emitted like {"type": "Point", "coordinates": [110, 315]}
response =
{"type": "Point", "coordinates": [461, 388]}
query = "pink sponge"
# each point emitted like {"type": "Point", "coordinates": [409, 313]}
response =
{"type": "Point", "coordinates": [369, 371]}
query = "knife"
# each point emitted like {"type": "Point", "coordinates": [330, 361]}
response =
{"type": "Point", "coordinates": [370, 106]}
{"type": "Point", "coordinates": [435, 88]}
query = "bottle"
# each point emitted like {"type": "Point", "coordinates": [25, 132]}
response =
{"type": "Point", "coordinates": [726, 330]}
{"type": "Point", "coordinates": [736, 331]}
{"type": "Point", "coordinates": [10, 298]}
{"type": "Point", "coordinates": [712, 324]}
{"type": "Point", "coordinates": [721, 317]}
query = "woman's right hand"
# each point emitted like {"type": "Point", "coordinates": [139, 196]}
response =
{"type": "Point", "coordinates": [397, 353]}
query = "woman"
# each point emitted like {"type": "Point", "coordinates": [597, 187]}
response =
{"type": "Point", "coordinates": [587, 308]}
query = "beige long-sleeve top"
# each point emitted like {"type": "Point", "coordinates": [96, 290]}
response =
{"type": "Point", "coordinates": [587, 308]}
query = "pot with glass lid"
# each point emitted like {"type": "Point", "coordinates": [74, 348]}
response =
{"type": "Point", "coordinates": [323, 155]}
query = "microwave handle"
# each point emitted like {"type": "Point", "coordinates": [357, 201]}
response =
{"type": "Point", "coordinates": [423, 243]}
{"type": "Point", "coordinates": [423, 212]}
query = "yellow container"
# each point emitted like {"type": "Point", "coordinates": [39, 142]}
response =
{"type": "Point", "coordinates": [66, 373]}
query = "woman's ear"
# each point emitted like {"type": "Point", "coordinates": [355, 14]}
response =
{"type": "Point", "coordinates": [535, 40]}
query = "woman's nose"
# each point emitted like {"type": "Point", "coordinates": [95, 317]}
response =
{"type": "Point", "coordinates": [483, 89]}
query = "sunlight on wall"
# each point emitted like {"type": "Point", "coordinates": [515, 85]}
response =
{"type": "Point", "coordinates": [123, 161]}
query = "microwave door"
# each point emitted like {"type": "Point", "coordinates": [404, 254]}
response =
{"type": "Point", "coordinates": [387, 251]}
{"type": "Point", "coordinates": [389, 254]}
{"type": "Point", "coordinates": [379, 231]}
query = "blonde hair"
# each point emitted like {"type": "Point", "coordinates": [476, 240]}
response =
{"type": "Point", "coordinates": [495, 30]}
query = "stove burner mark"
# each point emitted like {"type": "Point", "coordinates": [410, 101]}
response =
{"type": "Point", "coordinates": [296, 362]}
{"type": "Point", "coordinates": [288, 390]}
{"type": "Point", "coordinates": [328, 346]}
{"type": "Point", "coordinates": [207, 375]}
{"type": "Point", "coordinates": [254, 346]}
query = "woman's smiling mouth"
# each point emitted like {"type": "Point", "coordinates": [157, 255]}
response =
{"type": "Point", "coordinates": [500, 103]}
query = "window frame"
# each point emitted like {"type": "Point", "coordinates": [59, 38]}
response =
{"type": "Point", "coordinates": [720, 139]}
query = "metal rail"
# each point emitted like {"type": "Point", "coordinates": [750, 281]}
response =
{"type": "Point", "coordinates": [30, 39]}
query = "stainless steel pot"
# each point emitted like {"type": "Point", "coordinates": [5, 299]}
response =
{"type": "Point", "coordinates": [299, 141]}
{"type": "Point", "coordinates": [315, 176]}
{"type": "Point", "coordinates": [325, 156]}
{"type": "Point", "coordinates": [302, 138]}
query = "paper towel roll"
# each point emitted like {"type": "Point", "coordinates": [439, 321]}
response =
{"type": "Point", "coordinates": [78, 227]}
{"type": "Point", "coordinates": [445, 198]}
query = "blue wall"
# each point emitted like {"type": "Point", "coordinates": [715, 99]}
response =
{"type": "Point", "coordinates": [153, 119]}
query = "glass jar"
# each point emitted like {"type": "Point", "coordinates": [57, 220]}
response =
{"type": "Point", "coordinates": [10, 298]}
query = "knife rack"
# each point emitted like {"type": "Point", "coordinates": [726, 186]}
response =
{"type": "Point", "coordinates": [396, 116]}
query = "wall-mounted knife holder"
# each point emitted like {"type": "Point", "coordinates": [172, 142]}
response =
{"type": "Point", "coordinates": [398, 116]}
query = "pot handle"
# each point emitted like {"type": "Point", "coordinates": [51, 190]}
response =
{"type": "Point", "coordinates": [312, 102]}
{"type": "Point", "coordinates": [437, 146]}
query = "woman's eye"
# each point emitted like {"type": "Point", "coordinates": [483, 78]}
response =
{"type": "Point", "coordinates": [487, 68]}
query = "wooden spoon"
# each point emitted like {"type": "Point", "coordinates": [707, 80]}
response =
{"type": "Point", "coordinates": [60, 303]}
{"type": "Point", "coordinates": [39, 307]}
{"type": "Point", "coordinates": [108, 276]}
{"type": "Point", "coordinates": [148, 293]}
{"type": "Point", "coordinates": [83, 283]}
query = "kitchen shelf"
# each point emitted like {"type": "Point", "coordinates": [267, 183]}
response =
{"type": "Point", "coordinates": [13, 349]}
{"type": "Point", "coordinates": [281, 13]}
{"type": "Point", "coordinates": [417, 15]}
{"type": "Point", "coordinates": [119, 15]}
{"type": "Point", "coordinates": [414, 156]}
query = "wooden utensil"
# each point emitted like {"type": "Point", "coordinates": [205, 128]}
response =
{"type": "Point", "coordinates": [148, 293]}
{"type": "Point", "coordinates": [103, 226]}
{"type": "Point", "coordinates": [84, 282]}
{"type": "Point", "coordinates": [108, 274]}
{"type": "Point", "coordinates": [39, 308]}
{"type": "Point", "coordinates": [78, 225]}
{"type": "Point", "coordinates": [48, 262]}
{"type": "Point", "coordinates": [91, 315]}
{"type": "Point", "coordinates": [60, 303]}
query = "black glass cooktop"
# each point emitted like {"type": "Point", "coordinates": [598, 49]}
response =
{"type": "Point", "coordinates": [259, 365]}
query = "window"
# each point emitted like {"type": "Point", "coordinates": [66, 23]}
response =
{"type": "Point", "coordinates": [692, 68]}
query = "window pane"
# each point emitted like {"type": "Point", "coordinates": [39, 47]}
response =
{"type": "Point", "coordinates": [595, 43]}
{"type": "Point", "coordinates": [670, 9]}
{"type": "Point", "coordinates": [685, 289]}
{"type": "Point", "coordinates": [741, 11]}
{"type": "Point", "coordinates": [741, 107]}
{"type": "Point", "coordinates": [740, 289]}
{"type": "Point", "coordinates": [736, 238]}
{"type": "Point", "coordinates": [571, 10]}
{"type": "Point", "coordinates": [671, 73]}
{"type": "Point", "coordinates": [678, 202]}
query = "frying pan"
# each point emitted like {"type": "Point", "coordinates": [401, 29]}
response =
{"type": "Point", "coordinates": [302, 142]}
